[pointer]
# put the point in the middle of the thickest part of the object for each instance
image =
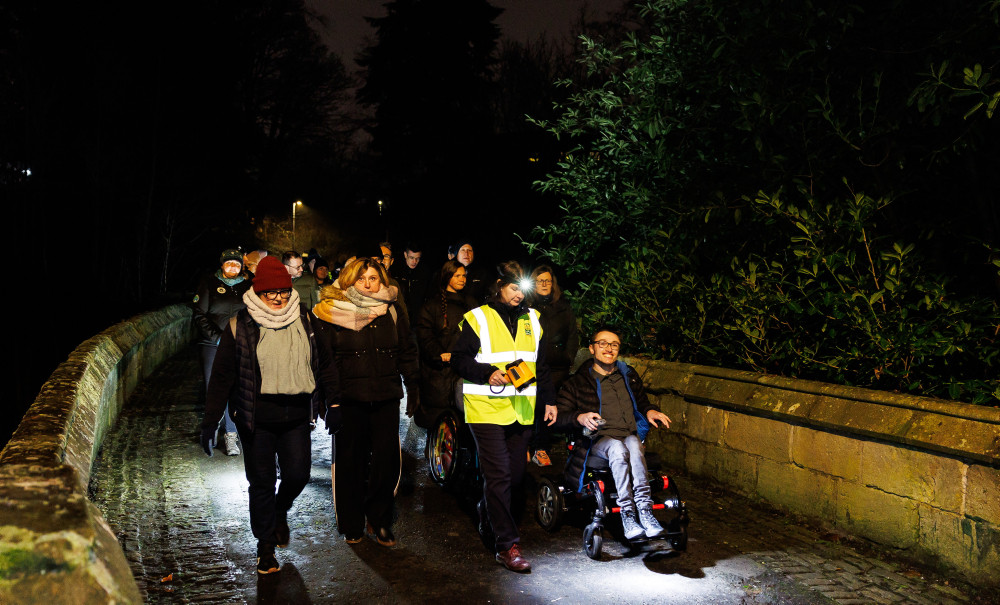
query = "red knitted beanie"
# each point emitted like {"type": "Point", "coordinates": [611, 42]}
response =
{"type": "Point", "coordinates": [271, 275]}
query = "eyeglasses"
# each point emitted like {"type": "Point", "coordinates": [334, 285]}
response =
{"type": "Point", "coordinates": [543, 282]}
{"type": "Point", "coordinates": [614, 346]}
{"type": "Point", "coordinates": [273, 295]}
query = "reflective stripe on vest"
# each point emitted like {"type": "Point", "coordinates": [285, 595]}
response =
{"type": "Point", "coordinates": [488, 355]}
{"type": "Point", "coordinates": [496, 405]}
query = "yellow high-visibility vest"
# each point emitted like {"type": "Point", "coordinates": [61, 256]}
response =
{"type": "Point", "coordinates": [494, 405]}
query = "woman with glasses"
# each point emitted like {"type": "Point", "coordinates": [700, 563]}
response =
{"type": "Point", "coordinates": [269, 358]}
{"type": "Point", "coordinates": [218, 298]}
{"type": "Point", "coordinates": [372, 346]}
{"type": "Point", "coordinates": [437, 331]}
{"type": "Point", "coordinates": [562, 342]}
{"type": "Point", "coordinates": [499, 414]}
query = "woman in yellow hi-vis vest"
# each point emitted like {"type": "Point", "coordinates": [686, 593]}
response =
{"type": "Point", "coordinates": [498, 413]}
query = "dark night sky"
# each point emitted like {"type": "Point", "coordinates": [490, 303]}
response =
{"type": "Point", "coordinates": [522, 20]}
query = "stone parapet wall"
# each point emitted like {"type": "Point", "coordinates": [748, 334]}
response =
{"type": "Point", "coordinates": [54, 545]}
{"type": "Point", "coordinates": [911, 473]}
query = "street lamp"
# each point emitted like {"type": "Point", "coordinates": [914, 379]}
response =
{"type": "Point", "coordinates": [380, 207]}
{"type": "Point", "coordinates": [294, 206]}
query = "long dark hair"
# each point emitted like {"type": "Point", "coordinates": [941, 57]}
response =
{"type": "Point", "coordinates": [448, 270]}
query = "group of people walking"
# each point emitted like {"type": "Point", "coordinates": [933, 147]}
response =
{"type": "Point", "coordinates": [274, 365]}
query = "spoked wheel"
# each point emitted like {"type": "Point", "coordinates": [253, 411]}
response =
{"type": "Point", "coordinates": [593, 539]}
{"type": "Point", "coordinates": [442, 449]}
{"type": "Point", "coordinates": [549, 510]}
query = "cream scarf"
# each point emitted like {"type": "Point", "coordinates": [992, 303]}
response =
{"type": "Point", "coordinates": [352, 309]}
{"type": "Point", "coordinates": [283, 351]}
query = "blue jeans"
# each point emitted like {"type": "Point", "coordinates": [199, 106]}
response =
{"type": "Point", "coordinates": [207, 359]}
{"type": "Point", "coordinates": [628, 467]}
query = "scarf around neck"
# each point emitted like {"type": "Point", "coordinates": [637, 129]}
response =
{"type": "Point", "coordinates": [283, 352]}
{"type": "Point", "coordinates": [268, 317]}
{"type": "Point", "coordinates": [229, 281]}
{"type": "Point", "coordinates": [352, 309]}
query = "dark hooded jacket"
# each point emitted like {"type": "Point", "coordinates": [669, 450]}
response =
{"type": "Point", "coordinates": [581, 394]}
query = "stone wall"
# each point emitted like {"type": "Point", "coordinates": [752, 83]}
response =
{"type": "Point", "coordinates": [914, 474]}
{"type": "Point", "coordinates": [54, 545]}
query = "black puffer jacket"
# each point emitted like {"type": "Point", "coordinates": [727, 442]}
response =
{"type": "Point", "coordinates": [370, 361]}
{"type": "Point", "coordinates": [562, 339]}
{"type": "Point", "coordinates": [214, 303]}
{"type": "Point", "coordinates": [581, 394]}
{"type": "Point", "coordinates": [437, 331]}
{"type": "Point", "coordinates": [236, 373]}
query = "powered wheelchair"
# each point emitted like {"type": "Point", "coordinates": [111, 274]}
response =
{"type": "Point", "coordinates": [558, 498]}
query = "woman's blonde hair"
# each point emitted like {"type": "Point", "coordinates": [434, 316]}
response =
{"type": "Point", "coordinates": [356, 268]}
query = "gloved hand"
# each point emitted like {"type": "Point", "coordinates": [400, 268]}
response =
{"type": "Point", "coordinates": [334, 419]}
{"type": "Point", "coordinates": [208, 439]}
{"type": "Point", "coordinates": [412, 403]}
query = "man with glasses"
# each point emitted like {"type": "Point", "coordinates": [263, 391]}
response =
{"type": "Point", "coordinates": [304, 284]}
{"type": "Point", "coordinates": [607, 398]}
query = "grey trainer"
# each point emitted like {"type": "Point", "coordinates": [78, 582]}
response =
{"type": "Point", "coordinates": [631, 525]}
{"type": "Point", "coordinates": [649, 522]}
{"type": "Point", "coordinates": [232, 449]}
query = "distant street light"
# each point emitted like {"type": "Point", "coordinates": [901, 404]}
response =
{"type": "Point", "coordinates": [380, 207]}
{"type": "Point", "coordinates": [294, 206]}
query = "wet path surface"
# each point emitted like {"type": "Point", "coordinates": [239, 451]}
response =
{"type": "Point", "coordinates": [182, 520]}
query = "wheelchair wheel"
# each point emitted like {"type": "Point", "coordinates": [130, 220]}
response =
{"type": "Point", "coordinates": [592, 541]}
{"type": "Point", "coordinates": [442, 449]}
{"type": "Point", "coordinates": [549, 510]}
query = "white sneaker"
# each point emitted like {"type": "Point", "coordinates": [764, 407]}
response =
{"type": "Point", "coordinates": [231, 448]}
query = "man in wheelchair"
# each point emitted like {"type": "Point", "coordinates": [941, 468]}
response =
{"type": "Point", "coordinates": [607, 400]}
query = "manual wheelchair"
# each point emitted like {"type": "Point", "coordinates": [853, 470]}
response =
{"type": "Point", "coordinates": [451, 451]}
{"type": "Point", "coordinates": [556, 499]}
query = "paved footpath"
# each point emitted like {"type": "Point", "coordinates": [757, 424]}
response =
{"type": "Point", "coordinates": [181, 518]}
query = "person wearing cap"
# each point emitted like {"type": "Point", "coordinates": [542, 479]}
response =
{"type": "Point", "coordinates": [219, 296]}
{"type": "Point", "coordinates": [498, 414]}
{"type": "Point", "coordinates": [478, 283]}
{"type": "Point", "coordinates": [280, 378]}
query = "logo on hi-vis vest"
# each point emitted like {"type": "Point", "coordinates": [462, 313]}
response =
{"type": "Point", "coordinates": [527, 330]}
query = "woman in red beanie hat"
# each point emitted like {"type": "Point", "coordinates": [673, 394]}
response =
{"type": "Point", "coordinates": [270, 355]}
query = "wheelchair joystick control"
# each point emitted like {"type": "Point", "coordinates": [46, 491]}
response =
{"type": "Point", "coordinates": [599, 422]}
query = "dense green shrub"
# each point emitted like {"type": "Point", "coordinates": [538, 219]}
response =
{"type": "Point", "coordinates": [772, 186]}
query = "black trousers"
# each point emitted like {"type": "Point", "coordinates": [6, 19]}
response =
{"type": "Point", "coordinates": [366, 465]}
{"type": "Point", "coordinates": [503, 452]}
{"type": "Point", "coordinates": [291, 445]}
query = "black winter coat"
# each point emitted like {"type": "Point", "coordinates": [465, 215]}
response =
{"type": "Point", "coordinates": [236, 372]}
{"type": "Point", "coordinates": [562, 338]}
{"type": "Point", "coordinates": [437, 331]}
{"type": "Point", "coordinates": [214, 303]}
{"type": "Point", "coordinates": [371, 360]}
{"type": "Point", "coordinates": [580, 395]}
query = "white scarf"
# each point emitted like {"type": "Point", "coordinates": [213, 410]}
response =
{"type": "Point", "coordinates": [268, 317]}
{"type": "Point", "coordinates": [283, 351]}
